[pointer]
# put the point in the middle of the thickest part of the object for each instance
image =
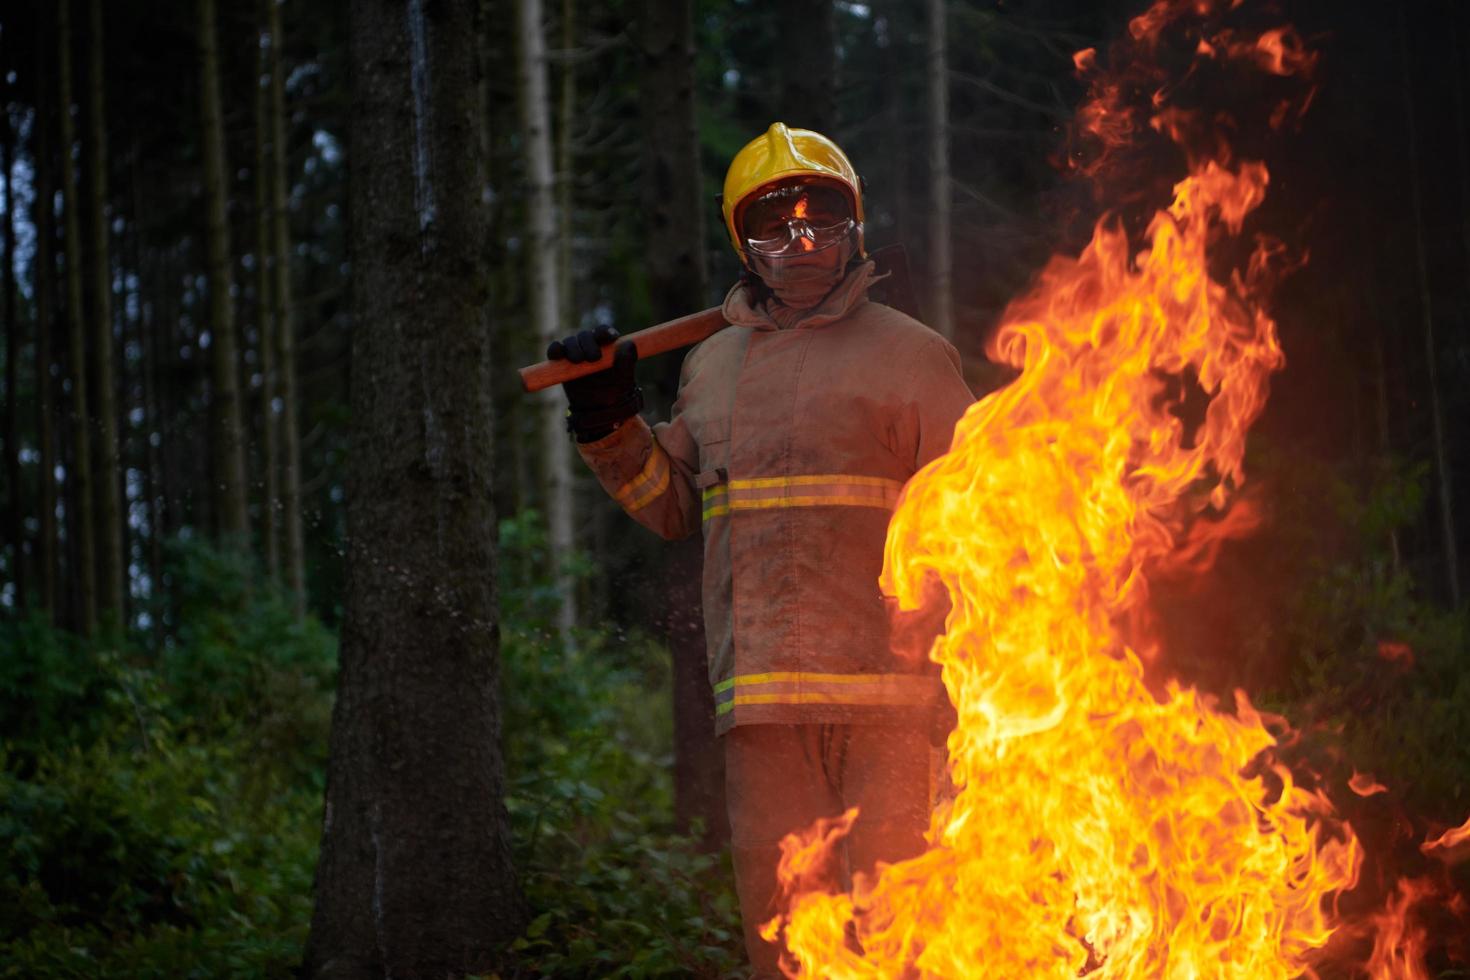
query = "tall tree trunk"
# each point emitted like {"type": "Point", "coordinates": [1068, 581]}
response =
{"type": "Point", "coordinates": [673, 207]}
{"type": "Point", "coordinates": [228, 485]}
{"type": "Point", "coordinates": [112, 561]}
{"type": "Point", "coordinates": [45, 268]}
{"type": "Point", "coordinates": [556, 449]}
{"type": "Point", "coordinates": [1380, 416]}
{"type": "Point", "coordinates": [14, 504]}
{"type": "Point", "coordinates": [895, 112]}
{"type": "Point", "coordinates": [293, 540]}
{"type": "Point", "coordinates": [415, 876]}
{"type": "Point", "coordinates": [1431, 352]}
{"type": "Point", "coordinates": [264, 319]}
{"type": "Point", "coordinates": [807, 64]}
{"type": "Point", "coordinates": [172, 392]}
{"type": "Point", "coordinates": [565, 184]}
{"type": "Point", "coordinates": [940, 256]}
{"type": "Point", "coordinates": [80, 518]}
{"type": "Point", "coordinates": [144, 263]}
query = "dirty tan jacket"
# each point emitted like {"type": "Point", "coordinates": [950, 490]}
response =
{"type": "Point", "coordinates": [788, 445]}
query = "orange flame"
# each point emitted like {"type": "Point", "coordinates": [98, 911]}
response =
{"type": "Point", "coordinates": [1399, 942]}
{"type": "Point", "coordinates": [800, 212]}
{"type": "Point", "coordinates": [1099, 829]}
{"type": "Point", "coordinates": [1452, 846]}
{"type": "Point", "coordinates": [1364, 784]}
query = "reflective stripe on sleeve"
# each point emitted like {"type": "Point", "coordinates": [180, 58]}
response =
{"type": "Point", "coordinates": [819, 490]}
{"type": "Point", "coordinates": [650, 482]}
{"type": "Point", "coordinates": [799, 687]}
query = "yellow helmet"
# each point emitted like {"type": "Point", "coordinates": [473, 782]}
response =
{"type": "Point", "coordinates": [780, 154]}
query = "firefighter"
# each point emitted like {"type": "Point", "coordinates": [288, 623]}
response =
{"type": "Point", "coordinates": [793, 431]}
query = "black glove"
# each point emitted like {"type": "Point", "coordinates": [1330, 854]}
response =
{"type": "Point", "coordinates": [599, 402]}
{"type": "Point", "coordinates": [942, 721]}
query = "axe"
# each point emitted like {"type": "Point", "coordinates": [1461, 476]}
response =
{"type": "Point", "coordinates": [897, 290]}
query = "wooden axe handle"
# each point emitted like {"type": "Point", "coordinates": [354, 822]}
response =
{"type": "Point", "coordinates": [658, 339]}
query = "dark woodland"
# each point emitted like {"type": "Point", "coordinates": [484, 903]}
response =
{"type": "Point", "coordinates": [322, 655]}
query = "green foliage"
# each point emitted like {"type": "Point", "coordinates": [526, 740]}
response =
{"type": "Point", "coordinates": [159, 810]}
{"type": "Point", "coordinates": [240, 666]}
{"type": "Point", "coordinates": [1376, 666]}
{"type": "Point", "coordinates": [614, 891]}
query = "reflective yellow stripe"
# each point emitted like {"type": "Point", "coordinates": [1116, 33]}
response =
{"type": "Point", "coordinates": [805, 677]}
{"type": "Point", "coordinates": [803, 481]}
{"type": "Point", "coordinates": [814, 490]}
{"type": "Point", "coordinates": [715, 502]}
{"type": "Point", "coordinates": [800, 687]}
{"type": "Point", "coordinates": [646, 487]}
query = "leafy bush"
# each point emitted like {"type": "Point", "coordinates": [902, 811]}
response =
{"type": "Point", "coordinates": [1376, 664]}
{"type": "Point", "coordinates": [159, 809]}
{"type": "Point", "coordinates": [614, 891]}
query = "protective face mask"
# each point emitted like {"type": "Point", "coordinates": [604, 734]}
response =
{"type": "Point", "coordinates": [801, 280]}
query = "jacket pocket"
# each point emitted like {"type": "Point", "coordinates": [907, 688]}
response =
{"type": "Point", "coordinates": [713, 437]}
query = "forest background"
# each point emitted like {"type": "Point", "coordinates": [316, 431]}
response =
{"type": "Point", "coordinates": [220, 221]}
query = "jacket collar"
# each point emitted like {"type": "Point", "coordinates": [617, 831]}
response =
{"type": "Point", "coordinates": [846, 296]}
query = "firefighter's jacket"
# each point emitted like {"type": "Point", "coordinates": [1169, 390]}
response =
{"type": "Point", "coordinates": [789, 446]}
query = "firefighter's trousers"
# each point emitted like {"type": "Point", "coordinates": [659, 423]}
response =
{"type": "Point", "coordinates": [782, 778]}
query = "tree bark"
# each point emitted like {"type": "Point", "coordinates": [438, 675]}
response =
{"type": "Point", "coordinates": [549, 317]}
{"type": "Point", "coordinates": [229, 488]}
{"type": "Point", "coordinates": [144, 264]}
{"type": "Point", "coordinates": [14, 503]}
{"type": "Point", "coordinates": [892, 62]}
{"type": "Point", "coordinates": [807, 64]}
{"type": "Point", "coordinates": [415, 877]}
{"type": "Point", "coordinates": [112, 575]}
{"type": "Point", "coordinates": [565, 184]}
{"type": "Point", "coordinates": [80, 518]}
{"type": "Point", "coordinates": [293, 540]}
{"type": "Point", "coordinates": [45, 325]}
{"type": "Point", "coordinates": [1431, 353]}
{"type": "Point", "coordinates": [940, 255]}
{"type": "Point", "coordinates": [673, 207]}
{"type": "Point", "coordinates": [270, 509]}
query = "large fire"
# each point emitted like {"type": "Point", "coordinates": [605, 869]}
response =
{"type": "Point", "coordinates": [1099, 827]}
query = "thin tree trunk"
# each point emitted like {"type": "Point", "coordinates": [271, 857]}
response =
{"type": "Point", "coordinates": [895, 112]}
{"type": "Point", "coordinates": [806, 62]}
{"type": "Point", "coordinates": [264, 318]}
{"type": "Point", "coordinates": [293, 540]}
{"type": "Point", "coordinates": [173, 397]}
{"type": "Point", "coordinates": [226, 419]}
{"type": "Point", "coordinates": [144, 263]}
{"type": "Point", "coordinates": [673, 207]}
{"type": "Point", "coordinates": [940, 255]}
{"type": "Point", "coordinates": [45, 325]}
{"type": "Point", "coordinates": [80, 523]}
{"type": "Point", "coordinates": [14, 502]}
{"type": "Point", "coordinates": [565, 185]}
{"type": "Point", "coordinates": [1385, 440]}
{"type": "Point", "coordinates": [583, 593]}
{"type": "Point", "coordinates": [415, 876]}
{"type": "Point", "coordinates": [112, 562]}
{"type": "Point", "coordinates": [556, 450]}
{"type": "Point", "coordinates": [1431, 353]}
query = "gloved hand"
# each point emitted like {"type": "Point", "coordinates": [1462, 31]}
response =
{"type": "Point", "coordinates": [599, 402]}
{"type": "Point", "coordinates": [911, 635]}
{"type": "Point", "coordinates": [943, 721]}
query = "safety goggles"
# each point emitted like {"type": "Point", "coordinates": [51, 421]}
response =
{"type": "Point", "coordinates": [796, 218]}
